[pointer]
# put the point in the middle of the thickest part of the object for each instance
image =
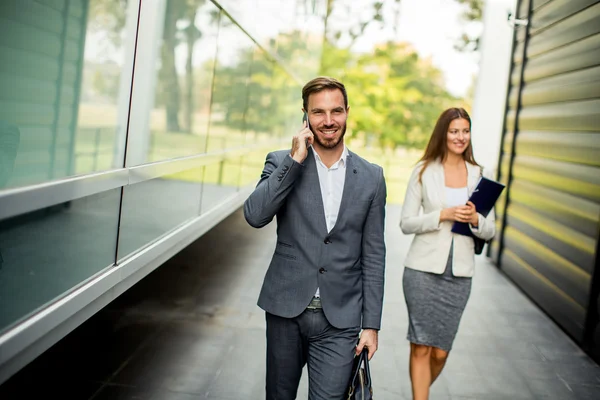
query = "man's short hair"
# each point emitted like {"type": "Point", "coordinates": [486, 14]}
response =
{"type": "Point", "coordinates": [318, 85]}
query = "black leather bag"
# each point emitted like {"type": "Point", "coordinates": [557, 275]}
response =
{"type": "Point", "coordinates": [479, 243]}
{"type": "Point", "coordinates": [360, 381]}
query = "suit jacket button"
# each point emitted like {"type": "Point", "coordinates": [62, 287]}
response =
{"type": "Point", "coordinates": [322, 270]}
{"type": "Point", "coordinates": [285, 168]}
{"type": "Point", "coordinates": [327, 240]}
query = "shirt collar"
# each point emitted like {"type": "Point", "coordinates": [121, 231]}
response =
{"type": "Point", "coordinates": [341, 161]}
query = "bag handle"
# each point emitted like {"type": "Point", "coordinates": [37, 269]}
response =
{"type": "Point", "coordinates": [363, 359]}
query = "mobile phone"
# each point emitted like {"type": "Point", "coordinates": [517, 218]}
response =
{"type": "Point", "coordinates": [305, 119]}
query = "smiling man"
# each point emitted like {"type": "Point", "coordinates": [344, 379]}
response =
{"type": "Point", "coordinates": [323, 291]}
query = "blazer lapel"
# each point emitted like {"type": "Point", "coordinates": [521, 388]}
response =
{"type": "Point", "coordinates": [350, 187]}
{"type": "Point", "coordinates": [312, 189]}
{"type": "Point", "coordinates": [440, 181]}
{"type": "Point", "coordinates": [473, 174]}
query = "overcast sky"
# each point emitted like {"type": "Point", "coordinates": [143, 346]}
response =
{"type": "Point", "coordinates": [432, 27]}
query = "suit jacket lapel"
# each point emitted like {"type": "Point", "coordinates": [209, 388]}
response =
{"type": "Point", "coordinates": [312, 189]}
{"type": "Point", "coordinates": [472, 180]}
{"type": "Point", "coordinates": [440, 181]}
{"type": "Point", "coordinates": [473, 173]}
{"type": "Point", "coordinates": [350, 187]}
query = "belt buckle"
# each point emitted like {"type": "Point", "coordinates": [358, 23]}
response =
{"type": "Point", "coordinates": [314, 304]}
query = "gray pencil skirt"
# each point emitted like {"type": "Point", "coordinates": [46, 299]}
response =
{"type": "Point", "coordinates": [435, 305]}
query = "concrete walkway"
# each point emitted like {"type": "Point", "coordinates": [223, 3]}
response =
{"type": "Point", "coordinates": [192, 330]}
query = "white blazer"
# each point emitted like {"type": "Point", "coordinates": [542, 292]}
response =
{"type": "Point", "coordinates": [421, 215]}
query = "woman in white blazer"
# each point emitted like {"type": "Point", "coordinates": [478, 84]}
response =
{"type": "Point", "coordinates": [440, 263]}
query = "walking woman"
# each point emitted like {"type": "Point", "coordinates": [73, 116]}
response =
{"type": "Point", "coordinates": [440, 263]}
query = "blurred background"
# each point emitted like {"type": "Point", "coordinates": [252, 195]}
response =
{"type": "Point", "coordinates": [128, 129]}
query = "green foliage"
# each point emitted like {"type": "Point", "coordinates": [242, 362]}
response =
{"type": "Point", "coordinates": [472, 13]}
{"type": "Point", "coordinates": [395, 96]}
{"type": "Point", "coordinates": [108, 16]}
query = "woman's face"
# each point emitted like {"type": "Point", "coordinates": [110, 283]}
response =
{"type": "Point", "coordinates": [459, 136]}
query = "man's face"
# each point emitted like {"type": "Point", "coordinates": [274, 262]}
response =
{"type": "Point", "coordinates": [327, 115]}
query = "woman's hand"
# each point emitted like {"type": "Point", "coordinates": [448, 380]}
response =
{"type": "Point", "coordinates": [467, 214]}
{"type": "Point", "coordinates": [473, 216]}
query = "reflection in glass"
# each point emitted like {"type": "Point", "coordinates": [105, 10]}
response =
{"type": "Point", "coordinates": [65, 82]}
{"type": "Point", "coordinates": [59, 85]}
{"type": "Point", "coordinates": [220, 182]}
{"type": "Point", "coordinates": [246, 14]}
{"type": "Point", "coordinates": [152, 208]}
{"type": "Point", "coordinates": [230, 96]}
{"type": "Point", "coordinates": [10, 138]}
{"type": "Point", "coordinates": [262, 104]}
{"type": "Point", "coordinates": [50, 251]}
{"type": "Point", "coordinates": [294, 33]}
{"type": "Point", "coordinates": [184, 71]}
{"type": "Point", "coordinates": [252, 166]}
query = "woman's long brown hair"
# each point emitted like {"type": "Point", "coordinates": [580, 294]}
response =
{"type": "Point", "coordinates": [437, 147]}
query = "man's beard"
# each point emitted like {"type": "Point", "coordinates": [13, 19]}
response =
{"type": "Point", "coordinates": [330, 144]}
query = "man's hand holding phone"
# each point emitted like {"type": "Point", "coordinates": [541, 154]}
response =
{"type": "Point", "coordinates": [301, 141]}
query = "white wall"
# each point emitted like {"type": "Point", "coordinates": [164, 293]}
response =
{"type": "Point", "coordinates": [492, 83]}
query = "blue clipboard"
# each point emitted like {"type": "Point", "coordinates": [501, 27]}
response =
{"type": "Point", "coordinates": [484, 197]}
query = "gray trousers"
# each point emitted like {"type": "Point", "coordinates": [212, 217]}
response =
{"type": "Point", "coordinates": [308, 338]}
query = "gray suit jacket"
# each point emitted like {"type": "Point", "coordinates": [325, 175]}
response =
{"type": "Point", "coordinates": [347, 264]}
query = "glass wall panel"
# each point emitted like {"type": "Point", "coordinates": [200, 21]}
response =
{"type": "Point", "coordinates": [230, 100]}
{"type": "Point", "coordinates": [221, 181]}
{"type": "Point", "coordinates": [154, 207]}
{"type": "Point", "coordinates": [179, 87]}
{"type": "Point", "coordinates": [274, 112]}
{"type": "Point", "coordinates": [287, 95]}
{"type": "Point", "coordinates": [50, 251]}
{"type": "Point", "coordinates": [246, 14]}
{"type": "Point", "coordinates": [230, 92]}
{"type": "Point", "coordinates": [63, 73]}
{"type": "Point", "coordinates": [294, 33]}
{"type": "Point", "coordinates": [261, 113]}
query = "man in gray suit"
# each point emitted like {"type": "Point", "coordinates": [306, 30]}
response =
{"type": "Point", "coordinates": [326, 278]}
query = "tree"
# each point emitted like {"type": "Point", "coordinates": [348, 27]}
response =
{"type": "Point", "coordinates": [109, 17]}
{"type": "Point", "coordinates": [169, 82]}
{"type": "Point", "coordinates": [343, 26]}
{"type": "Point", "coordinates": [180, 28]}
{"type": "Point", "coordinates": [395, 96]}
{"type": "Point", "coordinates": [472, 14]}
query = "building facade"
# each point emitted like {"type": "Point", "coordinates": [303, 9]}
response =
{"type": "Point", "coordinates": [548, 218]}
{"type": "Point", "coordinates": [127, 130]}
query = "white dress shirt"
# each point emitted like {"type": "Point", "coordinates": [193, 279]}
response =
{"type": "Point", "coordinates": [332, 182]}
{"type": "Point", "coordinates": [457, 196]}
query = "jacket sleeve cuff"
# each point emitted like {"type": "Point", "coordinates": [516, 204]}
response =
{"type": "Point", "coordinates": [476, 229]}
{"type": "Point", "coordinates": [432, 223]}
{"type": "Point", "coordinates": [367, 327]}
{"type": "Point", "coordinates": [288, 168]}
